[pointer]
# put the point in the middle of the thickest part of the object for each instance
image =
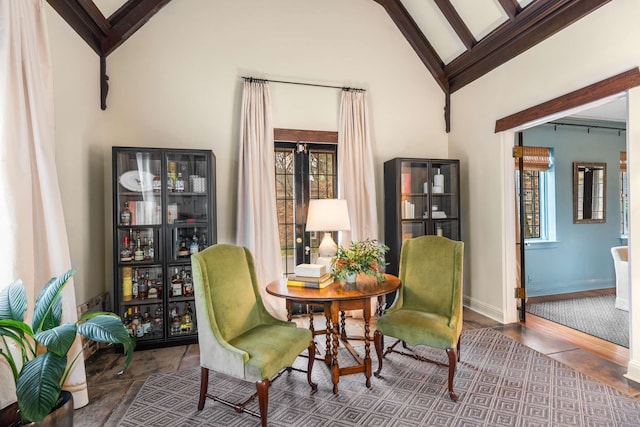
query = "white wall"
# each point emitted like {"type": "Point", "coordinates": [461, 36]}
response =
{"type": "Point", "coordinates": [599, 46]}
{"type": "Point", "coordinates": [177, 83]}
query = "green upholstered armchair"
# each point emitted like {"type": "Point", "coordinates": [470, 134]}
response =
{"type": "Point", "coordinates": [428, 309]}
{"type": "Point", "coordinates": [237, 336]}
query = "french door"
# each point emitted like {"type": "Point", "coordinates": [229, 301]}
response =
{"type": "Point", "coordinates": [304, 171]}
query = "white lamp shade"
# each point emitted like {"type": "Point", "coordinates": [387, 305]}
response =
{"type": "Point", "coordinates": [328, 215]}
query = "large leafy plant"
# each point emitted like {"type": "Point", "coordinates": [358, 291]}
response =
{"type": "Point", "coordinates": [44, 345]}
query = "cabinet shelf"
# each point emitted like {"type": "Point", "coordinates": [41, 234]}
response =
{"type": "Point", "coordinates": [415, 189]}
{"type": "Point", "coordinates": [162, 222]}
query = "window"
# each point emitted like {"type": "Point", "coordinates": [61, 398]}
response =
{"type": "Point", "coordinates": [537, 188]}
{"type": "Point", "coordinates": [304, 171]}
{"type": "Point", "coordinates": [624, 196]}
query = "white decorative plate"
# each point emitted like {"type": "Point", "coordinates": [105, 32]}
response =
{"type": "Point", "coordinates": [137, 181]}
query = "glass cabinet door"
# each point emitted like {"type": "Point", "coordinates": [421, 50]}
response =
{"type": "Point", "coordinates": [163, 213]}
{"type": "Point", "coordinates": [138, 240]}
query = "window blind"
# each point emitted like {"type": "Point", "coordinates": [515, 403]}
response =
{"type": "Point", "coordinates": [536, 158]}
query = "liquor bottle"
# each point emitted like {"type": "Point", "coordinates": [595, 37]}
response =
{"type": "Point", "coordinates": [156, 184]}
{"type": "Point", "coordinates": [134, 284]}
{"type": "Point", "coordinates": [136, 323]}
{"type": "Point", "coordinates": [179, 186]}
{"type": "Point", "coordinates": [138, 253]}
{"type": "Point", "coordinates": [194, 246]}
{"type": "Point", "coordinates": [125, 253]}
{"type": "Point", "coordinates": [145, 248]}
{"type": "Point", "coordinates": [147, 321]}
{"type": "Point", "coordinates": [187, 285]}
{"type": "Point", "coordinates": [151, 252]}
{"type": "Point", "coordinates": [183, 251]}
{"type": "Point", "coordinates": [125, 215]}
{"type": "Point", "coordinates": [187, 319]}
{"type": "Point", "coordinates": [176, 284]}
{"type": "Point", "coordinates": [170, 182]}
{"type": "Point", "coordinates": [159, 285]}
{"type": "Point", "coordinates": [127, 284]}
{"type": "Point", "coordinates": [126, 320]}
{"type": "Point", "coordinates": [176, 321]}
{"type": "Point", "coordinates": [143, 288]}
{"type": "Point", "coordinates": [158, 319]}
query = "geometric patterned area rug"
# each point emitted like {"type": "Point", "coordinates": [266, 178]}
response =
{"type": "Point", "coordinates": [596, 316]}
{"type": "Point", "coordinates": [499, 382]}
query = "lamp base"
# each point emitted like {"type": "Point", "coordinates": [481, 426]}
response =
{"type": "Point", "coordinates": [328, 247]}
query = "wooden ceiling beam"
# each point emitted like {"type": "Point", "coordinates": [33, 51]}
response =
{"type": "Point", "coordinates": [535, 23]}
{"type": "Point", "coordinates": [137, 14]}
{"type": "Point", "coordinates": [456, 22]}
{"type": "Point", "coordinates": [80, 21]}
{"type": "Point", "coordinates": [96, 16]}
{"type": "Point", "coordinates": [511, 7]}
{"type": "Point", "coordinates": [602, 89]}
{"type": "Point", "coordinates": [408, 27]}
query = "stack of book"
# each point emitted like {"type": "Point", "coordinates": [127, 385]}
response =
{"type": "Point", "coordinates": [310, 276]}
{"type": "Point", "coordinates": [310, 282]}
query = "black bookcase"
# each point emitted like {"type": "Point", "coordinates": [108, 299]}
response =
{"type": "Point", "coordinates": [421, 197]}
{"type": "Point", "coordinates": [170, 213]}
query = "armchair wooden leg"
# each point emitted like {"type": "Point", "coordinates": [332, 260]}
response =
{"type": "Point", "coordinates": [312, 358]}
{"type": "Point", "coordinates": [453, 359]}
{"type": "Point", "coordinates": [263, 399]}
{"type": "Point", "coordinates": [378, 341]}
{"type": "Point", "coordinates": [204, 384]}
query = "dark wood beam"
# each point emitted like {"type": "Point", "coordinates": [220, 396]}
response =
{"type": "Point", "coordinates": [535, 23]}
{"type": "Point", "coordinates": [611, 86]}
{"type": "Point", "coordinates": [125, 26]}
{"type": "Point", "coordinates": [80, 21]}
{"type": "Point", "coordinates": [456, 22]}
{"type": "Point", "coordinates": [511, 7]}
{"type": "Point", "coordinates": [96, 16]}
{"type": "Point", "coordinates": [416, 39]}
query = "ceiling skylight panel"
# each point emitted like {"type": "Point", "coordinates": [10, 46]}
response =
{"type": "Point", "coordinates": [435, 28]}
{"type": "Point", "coordinates": [480, 16]}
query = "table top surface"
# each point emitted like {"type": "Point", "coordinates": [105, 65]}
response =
{"type": "Point", "coordinates": [365, 287]}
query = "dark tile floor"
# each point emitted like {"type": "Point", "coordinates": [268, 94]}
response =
{"type": "Point", "coordinates": [110, 394]}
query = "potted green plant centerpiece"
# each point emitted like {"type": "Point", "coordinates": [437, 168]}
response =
{"type": "Point", "coordinates": [364, 257]}
{"type": "Point", "coordinates": [40, 369]}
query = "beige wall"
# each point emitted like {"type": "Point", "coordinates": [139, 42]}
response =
{"type": "Point", "coordinates": [599, 46]}
{"type": "Point", "coordinates": [176, 83]}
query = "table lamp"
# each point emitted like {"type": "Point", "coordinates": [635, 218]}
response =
{"type": "Point", "coordinates": [327, 215]}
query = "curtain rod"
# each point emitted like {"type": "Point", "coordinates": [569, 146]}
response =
{"type": "Point", "coordinates": [254, 79]}
{"type": "Point", "coordinates": [587, 126]}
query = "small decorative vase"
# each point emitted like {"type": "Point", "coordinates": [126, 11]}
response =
{"type": "Point", "coordinates": [351, 277]}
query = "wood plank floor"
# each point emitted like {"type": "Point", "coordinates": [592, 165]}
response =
{"type": "Point", "coordinates": [593, 356]}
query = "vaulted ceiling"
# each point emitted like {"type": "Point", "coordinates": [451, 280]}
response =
{"type": "Point", "coordinates": [457, 40]}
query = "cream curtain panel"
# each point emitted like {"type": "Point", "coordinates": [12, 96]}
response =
{"type": "Point", "coordinates": [257, 219]}
{"type": "Point", "coordinates": [35, 246]}
{"type": "Point", "coordinates": [356, 180]}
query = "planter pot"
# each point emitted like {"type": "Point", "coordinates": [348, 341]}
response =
{"type": "Point", "coordinates": [61, 416]}
{"type": "Point", "coordinates": [351, 277]}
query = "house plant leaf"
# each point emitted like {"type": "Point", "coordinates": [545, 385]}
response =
{"type": "Point", "coordinates": [13, 301]}
{"type": "Point", "coordinates": [59, 339]}
{"type": "Point", "coordinates": [48, 310]}
{"type": "Point", "coordinates": [108, 328]}
{"type": "Point", "coordinates": [38, 386]}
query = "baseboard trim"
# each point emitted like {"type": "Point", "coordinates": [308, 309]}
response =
{"type": "Point", "coordinates": [633, 371]}
{"type": "Point", "coordinates": [484, 309]}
